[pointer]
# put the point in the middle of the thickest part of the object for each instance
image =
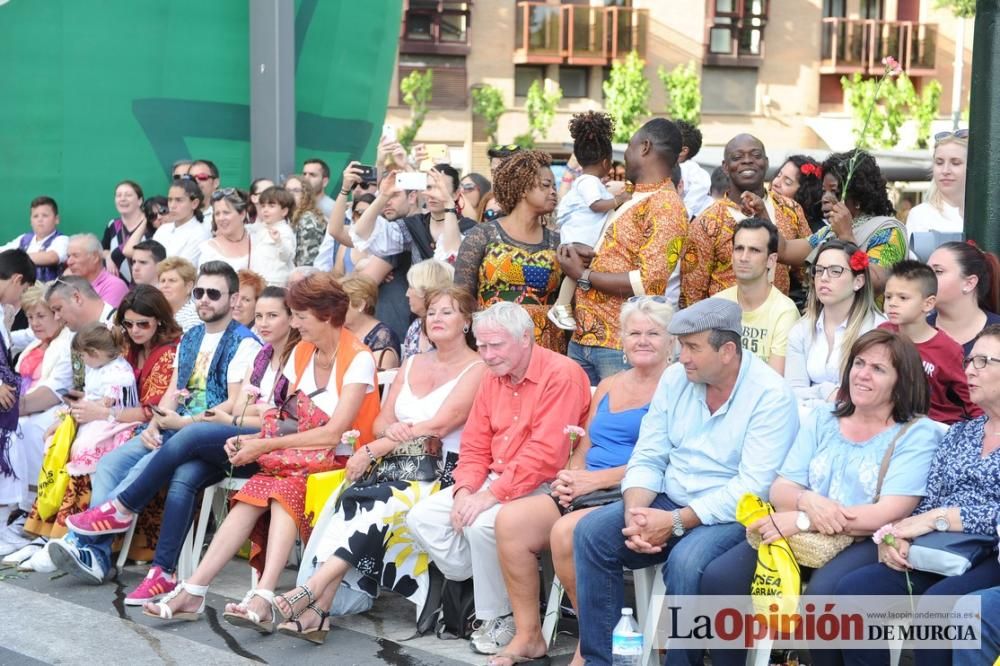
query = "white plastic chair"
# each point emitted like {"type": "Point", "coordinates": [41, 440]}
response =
{"type": "Point", "coordinates": [184, 566]}
{"type": "Point", "coordinates": [213, 500]}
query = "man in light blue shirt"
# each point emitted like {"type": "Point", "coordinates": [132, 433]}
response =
{"type": "Point", "coordinates": [718, 427]}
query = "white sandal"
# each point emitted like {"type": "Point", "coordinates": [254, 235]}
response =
{"type": "Point", "coordinates": [251, 619]}
{"type": "Point", "coordinates": [166, 613]}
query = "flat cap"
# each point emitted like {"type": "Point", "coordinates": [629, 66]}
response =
{"type": "Point", "coordinates": [711, 313]}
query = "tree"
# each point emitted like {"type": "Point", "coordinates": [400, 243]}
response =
{"type": "Point", "coordinates": [683, 92]}
{"type": "Point", "coordinates": [487, 103]}
{"type": "Point", "coordinates": [626, 96]}
{"type": "Point", "coordinates": [416, 89]}
{"type": "Point", "coordinates": [960, 8]}
{"type": "Point", "coordinates": [897, 102]}
{"type": "Point", "coordinates": [926, 110]}
{"type": "Point", "coordinates": [540, 105]}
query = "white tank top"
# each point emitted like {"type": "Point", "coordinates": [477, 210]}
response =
{"type": "Point", "coordinates": [411, 409]}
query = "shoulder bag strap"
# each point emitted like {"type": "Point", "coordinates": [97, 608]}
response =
{"type": "Point", "coordinates": [887, 457]}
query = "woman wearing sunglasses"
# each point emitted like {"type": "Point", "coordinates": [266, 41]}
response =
{"type": "Point", "coordinates": [473, 187]}
{"type": "Point", "coordinates": [488, 209]}
{"type": "Point", "coordinates": [944, 208]}
{"type": "Point", "coordinates": [146, 325]}
{"type": "Point", "coordinates": [840, 307]}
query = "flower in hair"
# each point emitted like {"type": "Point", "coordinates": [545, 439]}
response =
{"type": "Point", "coordinates": [972, 242]}
{"type": "Point", "coordinates": [812, 170]}
{"type": "Point", "coordinates": [859, 261]}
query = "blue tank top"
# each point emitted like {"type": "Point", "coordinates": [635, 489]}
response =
{"type": "Point", "coordinates": [613, 435]}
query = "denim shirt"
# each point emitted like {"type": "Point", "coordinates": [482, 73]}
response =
{"type": "Point", "coordinates": [709, 461]}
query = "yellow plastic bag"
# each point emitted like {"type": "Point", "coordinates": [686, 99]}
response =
{"type": "Point", "coordinates": [777, 582]}
{"type": "Point", "coordinates": [53, 480]}
{"type": "Point", "coordinates": [319, 488]}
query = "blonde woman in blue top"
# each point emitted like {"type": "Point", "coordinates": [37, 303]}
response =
{"type": "Point", "coordinates": [525, 527]}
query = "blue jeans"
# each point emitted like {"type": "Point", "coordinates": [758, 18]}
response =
{"type": "Point", "coordinates": [598, 362]}
{"type": "Point", "coordinates": [732, 573]}
{"type": "Point", "coordinates": [600, 554]}
{"type": "Point", "coordinates": [115, 471]}
{"type": "Point", "coordinates": [193, 459]}
{"type": "Point", "coordinates": [878, 579]}
{"type": "Point", "coordinates": [990, 601]}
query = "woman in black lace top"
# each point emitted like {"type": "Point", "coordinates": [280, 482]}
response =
{"type": "Point", "coordinates": [361, 321]}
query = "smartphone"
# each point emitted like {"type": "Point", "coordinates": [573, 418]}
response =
{"type": "Point", "coordinates": [73, 395]}
{"type": "Point", "coordinates": [368, 173]}
{"type": "Point", "coordinates": [411, 180]}
{"type": "Point", "coordinates": [389, 132]}
{"type": "Point", "coordinates": [156, 410]}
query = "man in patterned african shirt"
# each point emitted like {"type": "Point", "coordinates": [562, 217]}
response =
{"type": "Point", "coordinates": [707, 268]}
{"type": "Point", "coordinates": [638, 251]}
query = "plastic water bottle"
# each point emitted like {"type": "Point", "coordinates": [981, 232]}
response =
{"type": "Point", "coordinates": [626, 641]}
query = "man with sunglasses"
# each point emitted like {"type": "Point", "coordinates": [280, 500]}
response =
{"type": "Point", "coordinates": [145, 256]}
{"type": "Point", "coordinates": [206, 174]}
{"type": "Point", "coordinates": [212, 359]}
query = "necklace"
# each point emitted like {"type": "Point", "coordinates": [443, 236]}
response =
{"type": "Point", "coordinates": [238, 240]}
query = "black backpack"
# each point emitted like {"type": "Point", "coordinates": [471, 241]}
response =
{"type": "Point", "coordinates": [458, 610]}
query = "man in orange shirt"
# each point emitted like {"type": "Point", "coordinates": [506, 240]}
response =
{"type": "Point", "coordinates": [513, 445]}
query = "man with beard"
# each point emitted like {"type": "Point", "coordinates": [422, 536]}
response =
{"type": "Point", "coordinates": [212, 359]}
{"type": "Point", "coordinates": [707, 265]}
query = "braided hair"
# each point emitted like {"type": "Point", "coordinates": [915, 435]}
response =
{"type": "Point", "coordinates": [591, 132]}
{"type": "Point", "coordinates": [516, 175]}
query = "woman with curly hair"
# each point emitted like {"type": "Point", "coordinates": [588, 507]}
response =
{"type": "Point", "coordinates": [864, 216]}
{"type": "Point", "coordinates": [513, 258]}
{"type": "Point", "coordinates": [584, 209]}
{"type": "Point", "coordinates": [801, 178]}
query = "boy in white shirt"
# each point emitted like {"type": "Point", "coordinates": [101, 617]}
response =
{"type": "Point", "coordinates": [45, 245]}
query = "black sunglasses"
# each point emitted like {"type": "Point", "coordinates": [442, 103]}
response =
{"type": "Point", "coordinates": [958, 134]}
{"type": "Point", "coordinates": [200, 292]}
{"type": "Point", "coordinates": [226, 192]}
{"type": "Point", "coordinates": [491, 214]}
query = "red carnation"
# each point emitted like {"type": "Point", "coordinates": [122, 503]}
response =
{"type": "Point", "coordinates": [812, 170]}
{"type": "Point", "coordinates": [859, 261]}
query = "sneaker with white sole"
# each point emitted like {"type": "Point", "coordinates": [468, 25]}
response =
{"type": "Point", "coordinates": [22, 554]}
{"type": "Point", "coordinates": [10, 543]}
{"type": "Point", "coordinates": [153, 587]}
{"type": "Point", "coordinates": [77, 562]}
{"type": "Point", "coordinates": [40, 562]}
{"type": "Point", "coordinates": [98, 520]}
{"type": "Point", "coordinates": [498, 633]}
{"type": "Point", "coordinates": [562, 317]}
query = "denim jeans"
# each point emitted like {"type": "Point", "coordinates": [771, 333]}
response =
{"type": "Point", "coordinates": [598, 362]}
{"type": "Point", "coordinates": [990, 614]}
{"type": "Point", "coordinates": [600, 554]}
{"type": "Point", "coordinates": [732, 574]}
{"type": "Point", "coordinates": [193, 459]}
{"type": "Point", "coordinates": [878, 579]}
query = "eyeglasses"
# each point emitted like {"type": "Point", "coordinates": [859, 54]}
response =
{"type": "Point", "coordinates": [640, 299]}
{"type": "Point", "coordinates": [159, 211]}
{"type": "Point", "coordinates": [832, 271]}
{"type": "Point", "coordinates": [510, 147]}
{"type": "Point", "coordinates": [979, 361]}
{"type": "Point", "coordinates": [201, 176]}
{"type": "Point", "coordinates": [141, 325]}
{"type": "Point", "coordinates": [200, 292]}
{"type": "Point", "coordinates": [182, 176]}
{"type": "Point", "coordinates": [468, 187]}
{"type": "Point", "coordinates": [226, 192]}
{"type": "Point", "coordinates": [958, 134]}
{"type": "Point", "coordinates": [491, 214]}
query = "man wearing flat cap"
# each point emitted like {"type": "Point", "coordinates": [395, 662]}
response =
{"type": "Point", "coordinates": [719, 426]}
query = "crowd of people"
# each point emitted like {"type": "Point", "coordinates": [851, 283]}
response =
{"type": "Point", "coordinates": [599, 367]}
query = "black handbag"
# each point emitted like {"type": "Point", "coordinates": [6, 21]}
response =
{"type": "Point", "coordinates": [417, 459]}
{"type": "Point", "coordinates": [949, 553]}
{"type": "Point", "coordinates": [596, 498]}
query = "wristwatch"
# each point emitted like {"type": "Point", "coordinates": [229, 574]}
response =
{"type": "Point", "coordinates": [941, 523]}
{"type": "Point", "coordinates": [678, 525]}
{"type": "Point", "coordinates": [453, 211]}
{"type": "Point", "coordinates": [802, 521]}
{"type": "Point", "coordinates": [583, 282]}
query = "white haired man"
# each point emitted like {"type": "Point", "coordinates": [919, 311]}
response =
{"type": "Point", "coordinates": [85, 258]}
{"type": "Point", "coordinates": [513, 445]}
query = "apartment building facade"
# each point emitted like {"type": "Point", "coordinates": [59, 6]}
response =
{"type": "Point", "coordinates": [769, 67]}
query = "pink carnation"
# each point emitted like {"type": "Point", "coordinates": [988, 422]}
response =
{"type": "Point", "coordinates": [252, 391]}
{"type": "Point", "coordinates": [885, 534]}
{"type": "Point", "coordinates": [350, 437]}
{"type": "Point", "coordinates": [574, 432]}
{"type": "Point", "coordinates": [892, 66]}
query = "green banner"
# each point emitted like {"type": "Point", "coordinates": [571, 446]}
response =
{"type": "Point", "coordinates": [98, 91]}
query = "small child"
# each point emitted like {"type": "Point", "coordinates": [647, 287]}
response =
{"type": "Point", "coordinates": [110, 381]}
{"type": "Point", "coordinates": [45, 244]}
{"type": "Point", "coordinates": [910, 295]}
{"type": "Point", "coordinates": [272, 240]}
{"type": "Point", "coordinates": [583, 211]}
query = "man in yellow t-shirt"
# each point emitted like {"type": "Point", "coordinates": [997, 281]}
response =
{"type": "Point", "coordinates": [768, 315]}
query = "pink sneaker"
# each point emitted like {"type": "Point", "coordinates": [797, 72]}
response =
{"type": "Point", "coordinates": [155, 585]}
{"type": "Point", "coordinates": [99, 520]}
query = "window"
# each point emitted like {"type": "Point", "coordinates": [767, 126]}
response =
{"type": "Point", "coordinates": [524, 76]}
{"type": "Point", "coordinates": [449, 88]}
{"type": "Point", "coordinates": [736, 31]}
{"type": "Point", "coordinates": [573, 81]}
{"type": "Point", "coordinates": [436, 26]}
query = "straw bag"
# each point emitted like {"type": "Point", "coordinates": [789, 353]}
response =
{"type": "Point", "coordinates": [813, 549]}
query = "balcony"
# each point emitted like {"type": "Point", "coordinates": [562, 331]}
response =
{"type": "Point", "coordinates": [576, 34]}
{"type": "Point", "coordinates": [859, 45]}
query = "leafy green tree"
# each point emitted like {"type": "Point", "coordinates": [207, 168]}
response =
{"type": "Point", "coordinates": [960, 8]}
{"type": "Point", "coordinates": [416, 89]}
{"type": "Point", "coordinates": [683, 89]}
{"type": "Point", "coordinates": [925, 112]}
{"type": "Point", "coordinates": [626, 96]}
{"type": "Point", "coordinates": [540, 106]}
{"type": "Point", "coordinates": [897, 102]}
{"type": "Point", "coordinates": [487, 103]}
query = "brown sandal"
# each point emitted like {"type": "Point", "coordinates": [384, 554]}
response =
{"type": "Point", "coordinates": [316, 635]}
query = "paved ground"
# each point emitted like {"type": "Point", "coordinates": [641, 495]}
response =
{"type": "Point", "coordinates": [45, 619]}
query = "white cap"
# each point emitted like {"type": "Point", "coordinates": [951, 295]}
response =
{"type": "Point", "coordinates": [626, 611]}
